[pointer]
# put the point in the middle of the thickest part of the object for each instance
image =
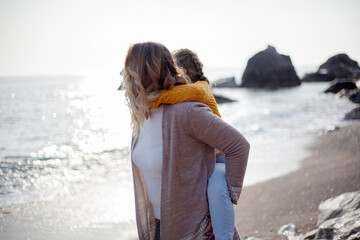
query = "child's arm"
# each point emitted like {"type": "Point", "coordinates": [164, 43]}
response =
{"type": "Point", "coordinates": [196, 92]}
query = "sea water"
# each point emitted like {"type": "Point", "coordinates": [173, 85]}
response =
{"type": "Point", "coordinates": [66, 140]}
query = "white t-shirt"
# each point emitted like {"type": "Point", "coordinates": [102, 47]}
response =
{"type": "Point", "coordinates": [148, 156]}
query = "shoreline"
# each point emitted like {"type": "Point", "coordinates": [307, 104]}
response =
{"type": "Point", "coordinates": [278, 163]}
{"type": "Point", "coordinates": [331, 169]}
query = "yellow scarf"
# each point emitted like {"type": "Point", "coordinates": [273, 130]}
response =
{"type": "Point", "coordinates": [194, 92]}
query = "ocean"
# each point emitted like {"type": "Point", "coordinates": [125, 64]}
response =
{"type": "Point", "coordinates": [66, 139]}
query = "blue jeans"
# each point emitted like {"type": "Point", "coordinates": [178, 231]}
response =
{"type": "Point", "coordinates": [157, 235]}
{"type": "Point", "coordinates": [220, 205]}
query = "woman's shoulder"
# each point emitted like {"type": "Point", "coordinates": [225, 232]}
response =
{"type": "Point", "coordinates": [186, 112]}
{"type": "Point", "coordinates": [185, 107]}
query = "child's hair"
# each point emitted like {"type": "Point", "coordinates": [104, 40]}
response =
{"type": "Point", "coordinates": [189, 61]}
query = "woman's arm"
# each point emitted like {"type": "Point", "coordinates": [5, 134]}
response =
{"type": "Point", "coordinates": [208, 128]}
{"type": "Point", "coordinates": [194, 92]}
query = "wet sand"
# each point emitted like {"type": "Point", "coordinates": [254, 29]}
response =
{"type": "Point", "coordinates": [333, 168]}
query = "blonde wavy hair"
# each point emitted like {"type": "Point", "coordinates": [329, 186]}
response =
{"type": "Point", "coordinates": [149, 68]}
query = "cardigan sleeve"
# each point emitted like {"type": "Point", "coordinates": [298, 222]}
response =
{"type": "Point", "coordinates": [213, 131]}
{"type": "Point", "coordinates": [193, 92]}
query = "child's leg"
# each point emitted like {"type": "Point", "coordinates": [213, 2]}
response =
{"type": "Point", "coordinates": [221, 207]}
{"type": "Point", "coordinates": [220, 159]}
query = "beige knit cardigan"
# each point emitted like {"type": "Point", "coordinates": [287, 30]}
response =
{"type": "Point", "coordinates": [190, 133]}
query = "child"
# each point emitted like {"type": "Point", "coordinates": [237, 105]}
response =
{"type": "Point", "coordinates": [220, 203]}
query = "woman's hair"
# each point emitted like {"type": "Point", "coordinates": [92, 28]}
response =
{"type": "Point", "coordinates": [149, 68]}
{"type": "Point", "coordinates": [189, 61]}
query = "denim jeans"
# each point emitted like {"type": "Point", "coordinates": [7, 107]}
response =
{"type": "Point", "coordinates": [220, 205]}
{"type": "Point", "coordinates": [157, 235]}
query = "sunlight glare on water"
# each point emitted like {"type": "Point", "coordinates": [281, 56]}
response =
{"type": "Point", "coordinates": [76, 135]}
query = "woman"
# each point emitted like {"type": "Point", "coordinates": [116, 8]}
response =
{"type": "Point", "coordinates": [220, 204]}
{"type": "Point", "coordinates": [173, 149]}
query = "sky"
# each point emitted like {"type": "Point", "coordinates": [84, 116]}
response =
{"type": "Point", "coordinates": [72, 37]}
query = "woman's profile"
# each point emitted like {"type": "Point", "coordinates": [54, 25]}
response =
{"type": "Point", "coordinates": [173, 149]}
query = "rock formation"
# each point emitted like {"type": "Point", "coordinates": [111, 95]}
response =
{"type": "Point", "coordinates": [354, 95]}
{"type": "Point", "coordinates": [317, 77]}
{"type": "Point", "coordinates": [338, 206]}
{"type": "Point", "coordinates": [225, 83]}
{"type": "Point", "coordinates": [338, 66]}
{"type": "Point", "coordinates": [269, 69]}
{"type": "Point", "coordinates": [341, 83]}
{"type": "Point", "coordinates": [221, 99]}
{"type": "Point", "coordinates": [339, 218]}
{"type": "Point", "coordinates": [347, 87]}
{"type": "Point", "coordinates": [353, 115]}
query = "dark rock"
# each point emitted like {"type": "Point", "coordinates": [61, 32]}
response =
{"type": "Point", "coordinates": [341, 83]}
{"type": "Point", "coordinates": [338, 66]}
{"type": "Point", "coordinates": [354, 95]}
{"type": "Point", "coordinates": [341, 66]}
{"type": "Point", "coordinates": [353, 115]}
{"type": "Point", "coordinates": [344, 93]}
{"type": "Point", "coordinates": [269, 69]}
{"type": "Point", "coordinates": [317, 77]}
{"type": "Point", "coordinates": [225, 83]}
{"type": "Point", "coordinates": [338, 206]}
{"type": "Point", "coordinates": [221, 99]}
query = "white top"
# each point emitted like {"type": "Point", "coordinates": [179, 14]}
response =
{"type": "Point", "coordinates": [147, 155]}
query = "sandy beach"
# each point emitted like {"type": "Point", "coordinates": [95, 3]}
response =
{"type": "Point", "coordinates": [333, 168]}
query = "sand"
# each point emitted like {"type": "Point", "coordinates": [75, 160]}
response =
{"type": "Point", "coordinates": [333, 168]}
